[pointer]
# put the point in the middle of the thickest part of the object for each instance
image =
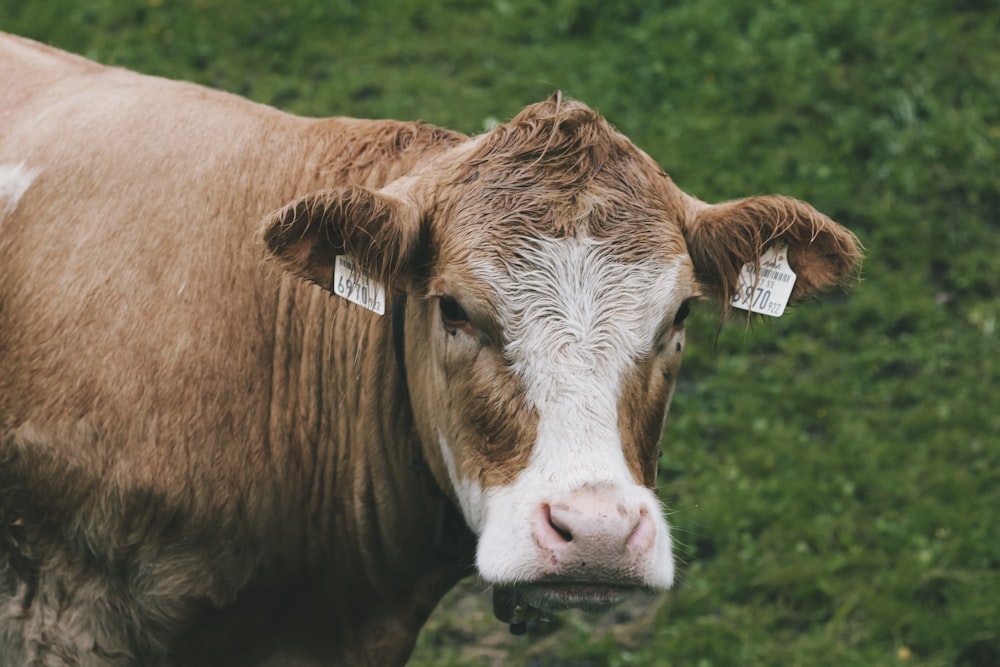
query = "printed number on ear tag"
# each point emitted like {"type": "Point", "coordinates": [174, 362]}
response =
{"type": "Point", "coordinates": [767, 291]}
{"type": "Point", "coordinates": [350, 282]}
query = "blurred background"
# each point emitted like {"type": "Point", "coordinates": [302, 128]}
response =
{"type": "Point", "coordinates": [833, 476]}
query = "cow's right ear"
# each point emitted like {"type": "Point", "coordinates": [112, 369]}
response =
{"type": "Point", "coordinates": [379, 231]}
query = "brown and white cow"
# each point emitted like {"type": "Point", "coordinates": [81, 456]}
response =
{"type": "Point", "coordinates": [206, 458]}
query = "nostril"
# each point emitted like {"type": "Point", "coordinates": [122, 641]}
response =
{"type": "Point", "coordinates": [560, 529]}
{"type": "Point", "coordinates": [643, 533]}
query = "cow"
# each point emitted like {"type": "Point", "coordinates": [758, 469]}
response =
{"type": "Point", "coordinates": [271, 385]}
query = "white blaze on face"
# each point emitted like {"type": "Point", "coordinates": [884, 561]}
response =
{"type": "Point", "coordinates": [15, 179]}
{"type": "Point", "coordinates": [575, 321]}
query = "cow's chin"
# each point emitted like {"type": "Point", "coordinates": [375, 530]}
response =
{"type": "Point", "coordinates": [537, 600]}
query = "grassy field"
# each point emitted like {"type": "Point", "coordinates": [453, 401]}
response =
{"type": "Point", "coordinates": [833, 475]}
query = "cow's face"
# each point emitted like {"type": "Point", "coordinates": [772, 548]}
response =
{"type": "Point", "coordinates": [548, 340]}
{"type": "Point", "coordinates": [550, 266]}
{"type": "Point", "coordinates": [544, 379]}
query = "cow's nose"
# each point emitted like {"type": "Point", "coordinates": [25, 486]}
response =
{"type": "Point", "coordinates": [592, 529]}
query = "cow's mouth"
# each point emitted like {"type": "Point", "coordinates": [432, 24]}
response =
{"type": "Point", "coordinates": [574, 595]}
{"type": "Point", "coordinates": [528, 602]}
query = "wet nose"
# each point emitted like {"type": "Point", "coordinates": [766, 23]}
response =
{"type": "Point", "coordinates": [593, 529]}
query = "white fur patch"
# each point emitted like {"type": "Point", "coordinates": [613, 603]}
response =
{"type": "Point", "coordinates": [468, 491]}
{"type": "Point", "coordinates": [575, 320]}
{"type": "Point", "coordinates": [15, 179]}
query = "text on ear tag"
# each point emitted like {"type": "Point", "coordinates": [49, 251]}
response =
{"type": "Point", "coordinates": [350, 282]}
{"type": "Point", "coordinates": [766, 292]}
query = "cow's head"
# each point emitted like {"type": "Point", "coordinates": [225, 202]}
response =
{"type": "Point", "coordinates": [550, 265]}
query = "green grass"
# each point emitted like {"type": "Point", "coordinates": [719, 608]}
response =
{"type": "Point", "coordinates": [834, 475]}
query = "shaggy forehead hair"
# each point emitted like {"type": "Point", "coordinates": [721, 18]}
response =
{"type": "Point", "coordinates": [559, 170]}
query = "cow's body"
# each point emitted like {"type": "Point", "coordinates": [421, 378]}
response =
{"type": "Point", "coordinates": [193, 397]}
{"type": "Point", "coordinates": [205, 459]}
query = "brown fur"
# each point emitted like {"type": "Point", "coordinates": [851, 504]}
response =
{"type": "Point", "coordinates": [205, 459]}
{"type": "Point", "coordinates": [501, 425]}
{"type": "Point", "coordinates": [556, 170]}
{"type": "Point", "coordinates": [642, 409]}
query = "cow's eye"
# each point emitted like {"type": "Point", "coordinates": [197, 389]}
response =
{"type": "Point", "coordinates": [682, 313]}
{"type": "Point", "coordinates": [452, 314]}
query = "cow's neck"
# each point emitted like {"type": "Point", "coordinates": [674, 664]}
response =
{"type": "Point", "coordinates": [378, 529]}
{"type": "Point", "coordinates": [370, 547]}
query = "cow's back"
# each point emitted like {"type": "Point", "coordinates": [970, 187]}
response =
{"type": "Point", "coordinates": [130, 267]}
{"type": "Point", "coordinates": [27, 67]}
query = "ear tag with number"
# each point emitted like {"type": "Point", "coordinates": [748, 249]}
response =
{"type": "Point", "coordinates": [767, 291]}
{"type": "Point", "coordinates": [350, 282]}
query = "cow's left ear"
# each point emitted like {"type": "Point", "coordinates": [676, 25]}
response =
{"type": "Point", "coordinates": [379, 231]}
{"type": "Point", "coordinates": [721, 238]}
